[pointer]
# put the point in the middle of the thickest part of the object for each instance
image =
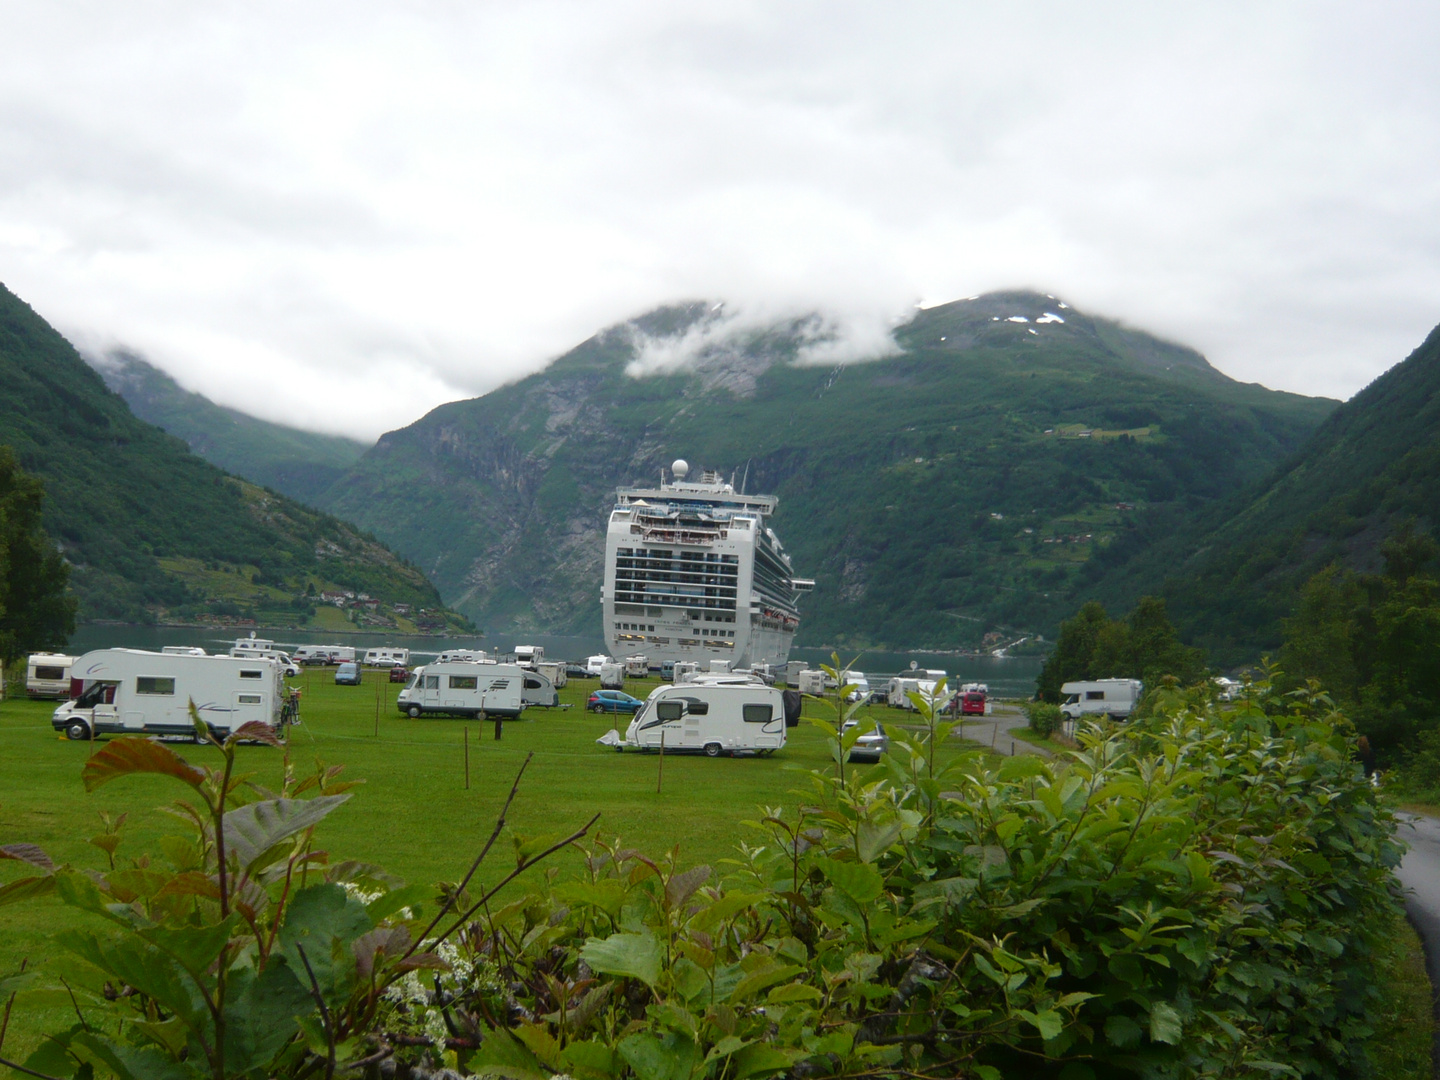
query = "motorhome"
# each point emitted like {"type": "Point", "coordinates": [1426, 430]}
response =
{"type": "Point", "coordinates": [527, 656]}
{"type": "Point", "coordinates": [182, 650]}
{"type": "Point", "coordinates": [720, 665]}
{"type": "Point", "coordinates": [859, 682]}
{"type": "Point", "coordinates": [725, 714]}
{"type": "Point", "coordinates": [472, 656]}
{"type": "Point", "coordinates": [288, 667]}
{"type": "Point", "coordinates": [387, 657]}
{"type": "Point", "coordinates": [811, 681]}
{"type": "Point", "coordinates": [593, 664]}
{"type": "Point", "coordinates": [612, 676]}
{"type": "Point", "coordinates": [1115, 698]}
{"type": "Point", "coordinates": [637, 667]}
{"type": "Point", "coordinates": [462, 688]}
{"type": "Point", "coordinates": [129, 691]}
{"type": "Point", "coordinates": [246, 645]}
{"type": "Point", "coordinates": [897, 693]}
{"type": "Point", "coordinates": [683, 670]}
{"type": "Point", "coordinates": [553, 670]}
{"type": "Point", "coordinates": [47, 675]}
{"type": "Point", "coordinates": [792, 672]}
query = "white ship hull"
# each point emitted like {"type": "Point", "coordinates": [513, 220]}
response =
{"type": "Point", "coordinates": [692, 573]}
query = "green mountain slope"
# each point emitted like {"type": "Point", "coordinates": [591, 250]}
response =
{"type": "Point", "coordinates": [153, 531]}
{"type": "Point", "coordinates": [1234, 574]}
{"type": "Point", "coordinates": [297, 463]}
{"type": "Point", "coordinates": [953, 490]}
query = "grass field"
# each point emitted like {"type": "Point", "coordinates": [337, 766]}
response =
{"type": "Point", "coordinates": [413, 815]}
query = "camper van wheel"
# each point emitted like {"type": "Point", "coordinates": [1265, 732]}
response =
{"type": "Point", "coordinates": [413, 712]}
{"type": "Point", "coordinates": [712, 749]}
{"type": "Point", "coordinates": [78, 731]}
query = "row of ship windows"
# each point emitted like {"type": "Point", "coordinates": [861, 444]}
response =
{"type": "Point", "coordinates": [668, 556]}
{"type": "Point", "coordinates": [633, 626]}
{"type": "Point", "coordinates": [692, 602]}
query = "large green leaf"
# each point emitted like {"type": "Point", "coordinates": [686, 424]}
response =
{"type": "Point", "coordinates": [859, 881]}
{"type": "Point", "coordinates": [194, 947]}
{"type": "Point", "coordinates": [757, 1059]}
{"type": "Point", "coordinates": [502, 1055]}
{"type": "Point", "coordinates": [137, 963]}
{"type": "Point", "coordinates": [125, 757]}
{"type": "Point", "coordinates": [254, 829]}
{"type": "Point", "coordinates": [25, 888]}
{"type": "Point", "coordinates": [322, 921]}
{"type": "Point", "coordinates": [132, 1062]}
{"type": "Point", "coordinates": [635, 956]}
{"type": "Point", "coordinates": [672, 1056]}
{"type": "Point", "coordinates": [1165, 1023]}
{"type": "Point", "coordinates": [261, 1015]}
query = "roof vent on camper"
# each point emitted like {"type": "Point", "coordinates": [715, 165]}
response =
{"type": "Point", "coordinates": [680, 468]}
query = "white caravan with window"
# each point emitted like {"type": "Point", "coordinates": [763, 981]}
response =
{"type": "Point", "coordinates": [461, 688]}
{"type": "Point", "coordinates": [897, 693]}
{"type": "Point", "coordinates": [1116, 698]}
{"type": "Point", "coordinates": [47, 675]}
{"type": "Point", "coordinates": [287, 666]}
{"type": "Point", "coordinates": [128, 691]}
{"type": "Point", "coordinates": [527, 656]}
{"type": "Point", "coordinates": [710, 718]}
{"type": "Point", "coordinates": [387, 657]}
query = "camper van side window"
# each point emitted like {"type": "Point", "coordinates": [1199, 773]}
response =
{"type": "Point", "coordinates": [668, 710]}
{"type": "Point", "coordinates": [696, 707]}
{"type": "Point", "coordinates": [49, 673]}
{"type": "Point", "coordinates": [463, 682]}
{"type": "Point", "coordinates": [146, 684]}
{"type": "Point", "coordinates": [1094, 695]}
{"type": "Point", "coordinates": [249, 699]}
{"type": "Point", "coordinates": [532, 684]}
{"type": "Point", "coordinates": [758, 714]}
{"type": "Point", "coordinates": [432, 682]}
{"type": "Point", "coordinates": [250, 674]}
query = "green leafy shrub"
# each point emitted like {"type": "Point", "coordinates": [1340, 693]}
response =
{"type": "Point", "coordinates": [1045, 717]}
{"type": "Point", "coordinates": [1197, 894]}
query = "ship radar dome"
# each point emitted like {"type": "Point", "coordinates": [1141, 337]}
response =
{"type": "Point", "coordinates": [680, 468]}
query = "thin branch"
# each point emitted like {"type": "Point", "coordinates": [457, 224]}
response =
{"type": "Point", "coordinates": [324, 1013]}
{"type": "Point", "coordinates": [10, 1004]}
{"type": "Point", "coordinates": [463, 919]}
{"type": "Point", "coordinates": [494, 835]}
{"type": "Point", "coordinates": [27, 1072]}
{"type": "Point", "coordinates": [83, 1023]}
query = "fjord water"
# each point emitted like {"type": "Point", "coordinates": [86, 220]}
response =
{"type": "Point", "coordinates": [1007, 676]}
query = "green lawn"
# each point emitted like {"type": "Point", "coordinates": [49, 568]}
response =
{"type": "Point", "coordinates": [413, 815]}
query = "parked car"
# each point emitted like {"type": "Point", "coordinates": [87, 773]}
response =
{"type": "Point", "coordinates": [871, 745]}
{"type": "Point", "coordinates": [399, 673]}
{"type": "Point", "coordinates": [616, 701]}
{"type": "Point", "coordinates": [578, 671]}
{"type": "Point", "coordinates": [347, 674]}
{"type": "Point", "coordinates": [972, 703]}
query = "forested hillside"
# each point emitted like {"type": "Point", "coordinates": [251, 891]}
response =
{"type": "Point", "coordinates": [301, 464]}
{"type": "Point", "coordinates": [153, 531]}
{"type": "Point", "coordinates": [1232, 576]}
{"type": "Point", "coordinates": [955, 489]}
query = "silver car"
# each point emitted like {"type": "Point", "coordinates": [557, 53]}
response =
{"type": "Point", "coordinates": [871, 745]}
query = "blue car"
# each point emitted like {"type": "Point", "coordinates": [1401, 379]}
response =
{"type": "Point", "coordinates": [347, 675]}
{"type": "Point", "coordinates": [616, 701]}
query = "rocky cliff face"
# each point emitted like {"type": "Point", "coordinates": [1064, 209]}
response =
{"type": "Point", "coordinates": [958, 482]}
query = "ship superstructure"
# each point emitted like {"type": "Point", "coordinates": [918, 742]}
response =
{"type": "Point", "coordinates": [693, 572]}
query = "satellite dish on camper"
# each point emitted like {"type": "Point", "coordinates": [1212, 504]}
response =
{"type": "Point", "coordinates": [680, 468]}
{"type": "Point", "coordinates": [913, 665]}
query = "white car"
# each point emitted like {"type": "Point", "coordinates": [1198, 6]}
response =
{"type": "Point", "coordinates": [871, 745]}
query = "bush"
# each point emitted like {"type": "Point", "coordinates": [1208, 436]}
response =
{"type": "Point", "coordinates": [1045, 718]}
{"type": "Point", "coordinates": [1199, 894]}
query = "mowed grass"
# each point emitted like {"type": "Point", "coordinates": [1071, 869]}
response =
{"type": "Point", "coordinates": [412, 815]}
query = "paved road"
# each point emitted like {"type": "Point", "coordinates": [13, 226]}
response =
{"type": "Point", "coordinates": [995, 730]}
{"type": "Point", "coordinates": [1420, 874]}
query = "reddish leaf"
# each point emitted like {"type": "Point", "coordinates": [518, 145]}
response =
{"type": "Point", "coordinates": [123, 757]}
{"type": "Point", "coordinates": [422, 960]}
{"type": "Point", "coordinates": [191, 883]}
{"type": "Point", "coordinates": [254, 731]}
{"type": "Point", "coordinates": [27, 853]}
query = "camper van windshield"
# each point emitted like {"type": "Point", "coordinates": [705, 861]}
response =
{"type": "Point", "coordinates": [102, 693]}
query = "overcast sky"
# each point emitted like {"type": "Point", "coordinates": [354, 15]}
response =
{"type": "Point", "coordinates": [340, 215]}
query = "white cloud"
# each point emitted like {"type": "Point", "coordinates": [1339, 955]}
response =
{"type": "Point", "coordinates": [339, 216]}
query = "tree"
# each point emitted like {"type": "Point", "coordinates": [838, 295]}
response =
{"type": "Point", "coordinates": [1144, 645]}
{"type": "Point", "coordinates": [35, 612]}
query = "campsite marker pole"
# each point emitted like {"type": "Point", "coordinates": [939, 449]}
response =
{"type": "Point", "coordinates": [660, 777]}
{"type": "Point", "coordinates": [467, 759]}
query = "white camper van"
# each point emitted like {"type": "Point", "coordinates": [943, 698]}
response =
{"type": "Point", "coordinates": [812, 681]}
{"type": "Point", "coordinates": [793, 668]}
{"type": "Point", "coordinates": [861, 684]}
{"type": "Point", "coordinates": [897, 694]}
{"type": "Point", "coordinates": [554, 671]}
{"type": "Point", "coordinates": [527, 656]}
{"type": "Point", "coordinates": [710, 718]}
{"type": "Point", "coordinates": [612, 676]}
{"type": "Point", "coordinates": [593, 664]}
{"type": "Point", "coordinates": [460, 688]}
{"type": "Point", "coordinates": [287, 666]}
{"type": "Point", "coordinates": [128, 691]}
{"type": "Point", "coordinates": [637, 667]}
{"type": "Point", "coordinates": [387, 657]}
{"type": "Point", "coordinates": [251, 643]}
{"type": "Point", "coordinates": [47, 675]}
{"type": "Point", "coordinates": [1115, 698]}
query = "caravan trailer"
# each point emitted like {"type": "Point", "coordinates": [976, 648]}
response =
{"type": "Point", "coordinates": [129, 691]}
{"type": "Point", "coordinates": [730, 715]}
{"type": "Point", "coordinates": [897, 694]}
{"type": "Point", "coordinates": [47, 675]}
{"type": "Point", "coordinates": [387, 657]}
{"type": "Point", "coordinates": [460, 688]}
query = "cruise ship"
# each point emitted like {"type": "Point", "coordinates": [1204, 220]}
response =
{"type": "Point", "coordinates": [693, 572]}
